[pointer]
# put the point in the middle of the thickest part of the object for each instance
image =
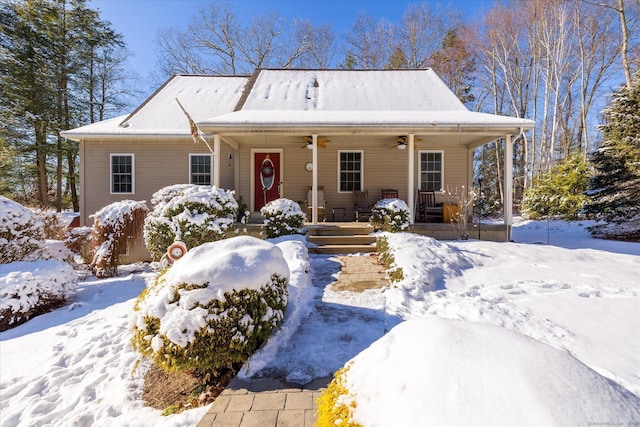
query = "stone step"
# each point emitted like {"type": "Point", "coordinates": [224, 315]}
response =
{"type": "Point", "coordinates": [342, 249]}
{"type": "Point", "coordinates": [360, 239]}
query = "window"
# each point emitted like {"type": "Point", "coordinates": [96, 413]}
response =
{"type": "Point", "coordinates": [122, 173]}
{"type": "Point", "coordinates": [200, 169]}
{"type": "Point", "coordinates": [350, 171]}
{"type": "Point", "coordinates": [431, 170]}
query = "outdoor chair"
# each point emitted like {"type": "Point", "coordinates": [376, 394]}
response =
{"type": "Point", "coordinates": [321, 204]}
{"type": "Point", "coordinates": [361, 206]}
{"type": "Point", "coordinates": [426, 209]}
{"type": "Point", "coordinates": [388, 193]}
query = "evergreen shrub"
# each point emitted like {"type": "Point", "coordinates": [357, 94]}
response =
{"type": "Point", "coordinates": [333, 407]}
{"type": "Point", "coordinates": [193, 214]}
{"type": "Point", "coordinates": [390, 215]}
{"type": "Point", "coordinates": [214, 307]}
{"type": "Point", "coordinates": [560, 193]}
{"type": "Point", "coordinates": [28, 289]}
{"type": "Point", "coordinates": [282, 217]}
{"type": "Point", "coordinates": [21, 231]}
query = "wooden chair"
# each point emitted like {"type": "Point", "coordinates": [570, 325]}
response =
{"type": "Point", "coordinates": [361, 206]}
{"type": "Point", "coordinates": [388, 193]}
{"type": "Point", "coordinates": [426, 209]}
{"type": "Point", "coordinates": [322, 203]}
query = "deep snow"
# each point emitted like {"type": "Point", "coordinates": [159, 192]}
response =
{"type": "Point", "coordinates": [576, 296]}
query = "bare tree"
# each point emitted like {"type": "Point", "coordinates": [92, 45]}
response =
{"type": "Point", "coordinates": [217, 42]}
{"type": "Point", "coordinates": [369, 42]}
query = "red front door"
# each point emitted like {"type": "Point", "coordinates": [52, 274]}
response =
{"type": "Point", "coordinates": [266, 178]}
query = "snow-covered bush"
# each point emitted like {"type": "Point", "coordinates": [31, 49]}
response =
{"type": "Point", "coordinates": [114, 225]}
{"type": "Point", "coordinates": [193, 214]}
{"type": "Point", "coordinates": [79, 242]}
{"type": "Point", "coordinates": [333, 408]}
{"type": "Point", "coordinates": [21, 232]}
{"type": "Point", "coordinates": [55, 227]}
{"type": "Point", "coordinates": [282, 217]}
{"type": "Point", "coordinates": [390, 215]}
{"type": "Point", "coordinates": [214, 307]}
{"type": "Point", "coordinates": [28, 289]}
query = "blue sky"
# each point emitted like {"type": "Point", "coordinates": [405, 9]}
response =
{"type": "Point", "coordinates": [140, 20]}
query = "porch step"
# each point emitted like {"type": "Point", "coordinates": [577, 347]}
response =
{"type": "Point", "coordinates": [342, 249]}
{"type": "Point", "coordinates": [361, 239]}
{"type": "Point", "coordinates": [343, 238]}
{"type": "Point", "coordinates": [339, 229]}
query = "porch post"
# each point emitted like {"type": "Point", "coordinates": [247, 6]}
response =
{"type": "Point", "coordinates": [314, 182]}
{"type": "Point", "coordinates": [410, 176]}
{"type": "Point", "coordinates": [508, 184]}
{"type": "Point", "coordinates": [216, 160]}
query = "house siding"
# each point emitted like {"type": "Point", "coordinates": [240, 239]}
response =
{"type": "Point", "coordinates": [384, 166]}
{"type": "Point", "coordinates": [158, 163]}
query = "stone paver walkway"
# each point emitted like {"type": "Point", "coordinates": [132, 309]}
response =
{"type": "Point", "coordinates": [273, 402]}
{"type": "Point", "coordinates": [265, 403]}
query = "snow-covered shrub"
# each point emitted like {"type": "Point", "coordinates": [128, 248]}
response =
{"type": "Point", "coordinates": [21, 232]}
{"type": "Point", "coordinates": [193, 214]}
{"type": "Point", "coordinates": [282, 217]}
{"type": "Point", "coordinates": [55, 227]}
{"type": "Point", "coordinates": [28, 289]}
{"type": "Point", "coordinates": [333, 408]}
{"type": "Point", "coordinates": [390, 215]}
{"type": "Point", "coordinates": [214, 307]}
{"type": "Point", "coordinates": [114, 225]}
{"type": "Point", "coordinates": [79, 242]}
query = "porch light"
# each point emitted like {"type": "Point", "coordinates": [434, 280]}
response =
{"type": "Point", "coordinates": [401, 142]}
{"type": "Point", "coordinates": [402, 145]}
{"type": "Point", "coordinates": [310, 145]}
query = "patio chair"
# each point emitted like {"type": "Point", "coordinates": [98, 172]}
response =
{"type": "Point", "coordinates": [322, 203]}
{"type": "Point", "coordinates": [361, 206]}
{"type": "Point", "coordinates": [427, 210]}
{"type": "Point", "coordinates": [388, 193]}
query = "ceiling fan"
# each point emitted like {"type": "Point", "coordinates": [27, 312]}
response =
{"type": "Point", "coordinates": [308, 142]}
{"type": "Point", "coordinates": [402, 140]}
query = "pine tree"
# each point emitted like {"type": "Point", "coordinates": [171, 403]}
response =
{"type": "Point", "coordinates": [614, 190]}
{"type": "Point", "coordinates": [559, 193]}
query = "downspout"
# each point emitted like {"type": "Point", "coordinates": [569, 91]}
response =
{"type": "Point", "coordinates": [314, 182]}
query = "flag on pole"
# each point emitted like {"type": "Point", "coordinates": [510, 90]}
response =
{"type": "Point", "coordinates": [193, 128]}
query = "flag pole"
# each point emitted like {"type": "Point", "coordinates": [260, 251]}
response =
{"type": "Point", "coordinates": [196, 134]}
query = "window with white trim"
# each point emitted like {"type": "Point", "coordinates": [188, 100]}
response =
{"type": "Point", "coordinates": [350, 171]}
{"type": "Point", "coordinates": [200, 169]}
{"type": "Point", "coordinates": [122, 173]}
{"type": "Point", "coordinates": [431, 170]}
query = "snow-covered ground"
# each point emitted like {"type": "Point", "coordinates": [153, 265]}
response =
{"type": "Point", "coordinates": [557, 295]}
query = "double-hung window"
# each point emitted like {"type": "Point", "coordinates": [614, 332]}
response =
{"type": "Point", "coordinates": [350, 171]}
{"type": "Point", "coordinates": [431, 170]}
{"type": "Point", "coordinates": [200, 169]}
{"type": "Point", "coordinates": [122, 173]}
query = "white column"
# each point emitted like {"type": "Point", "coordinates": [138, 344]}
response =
{"type": "Point", "coordinates": [216, 160]}
{"type": "Point", "coordinates": [410, 179]}
{"type": "Point", "coordinates": [508, 184]}
{"type": "Point", "coordinates": [314, 183]}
